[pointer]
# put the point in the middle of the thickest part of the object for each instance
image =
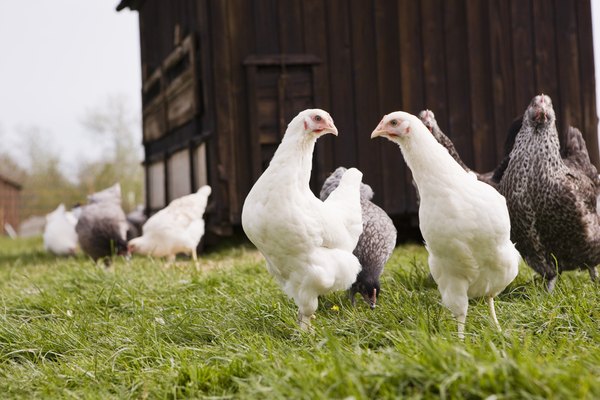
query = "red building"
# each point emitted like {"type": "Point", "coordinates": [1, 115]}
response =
{"type": "Point", "coordinates": [10, 199]}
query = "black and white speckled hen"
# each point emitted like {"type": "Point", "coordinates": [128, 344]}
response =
{"type": "Point", "coordinates": [375, 244]}
{"type": "Point", "coordinates": [552, 206]}
{"type": "Point", "coordinates": [574, 153]}
{"type": "Point", "coordinates": [102, 226]}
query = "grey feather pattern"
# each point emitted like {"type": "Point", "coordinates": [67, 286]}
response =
{"type": "Point", "coordinates": [375, 244]}
{"type": "Point", "coordinates": [552, 206]}
{"type": "Point", "coordinates": [100, 228]}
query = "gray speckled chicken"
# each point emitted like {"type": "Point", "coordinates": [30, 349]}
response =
{"type": "Point", "coordinates": [552, 206]}
{"type": "Point", "coordinates": [102, 226]}
{"type": "Point", "coordinates": [375, 244]}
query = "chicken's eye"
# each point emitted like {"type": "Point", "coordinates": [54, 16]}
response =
{"type": "Point", "coordinates": [318, 118]}
{"type": "Point", "coordinates": [394, 123]}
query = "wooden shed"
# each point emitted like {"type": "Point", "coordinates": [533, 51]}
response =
{"type": "Point", "coordinates": [221, 79]}
{"type": "Point", "coordinates": [10, 201]}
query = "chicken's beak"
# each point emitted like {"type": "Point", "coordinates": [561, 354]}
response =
{"type": "Point", "coordinates": [379, 131]}
{"type": "Point", "coordinates": [331, 129]}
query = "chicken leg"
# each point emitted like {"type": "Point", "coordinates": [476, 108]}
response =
{"type": "Point", "coordinates": [195, 258]}
{"type": "Point", "coordinates": [490, 301]}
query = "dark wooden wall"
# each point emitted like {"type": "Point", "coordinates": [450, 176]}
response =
{"type": "Point", "coordinates": [475, 63]}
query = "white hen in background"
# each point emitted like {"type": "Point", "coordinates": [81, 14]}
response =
{"type": "Point", "coordinates": [307, 242]}
{"type": "Point", "coordinates": [177, 228]}
{"type": "Point", "coordinates": [464, 221]}
{"type": "Point", "coordinates": [60, 237]}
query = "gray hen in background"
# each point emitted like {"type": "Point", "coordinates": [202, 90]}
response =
{"type": "Point", "coordinates": [102, 226]}
{"type": "Point", "coordinates": [552, 206]}
{"type": "Point", "coordinates": [375, 244]}
{"type": "Point", "coordinates": [574, 152]}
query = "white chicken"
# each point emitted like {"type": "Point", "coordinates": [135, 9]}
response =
{"type": "Point", "coordinates": [306, 242]}
{"type": "Point", "coordinates": [60, 237]}
{"type": "Point", "coordinates": [464, 221]}
{"type": "Point", "coordinates": [177, 228]}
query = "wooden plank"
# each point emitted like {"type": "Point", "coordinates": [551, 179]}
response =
{"type": "Point", "coordinates": [266, 23]}
{"type": "Point", "coordinates": [340, 63]}
{"type": "Point", "coordinates": [482, 117]}
{"type": "Point", "coordinates": [457, 65]}
{"type": "Point", "coordinates": [411, 56]}
{"type": "Point", "coordinates": [291, 38]}
{"type": "Point", "coordinates": [219, 218]}
{"type": "Point", "coordinates": [546, 75]}
{"type": "Point", "coordinates": [223, 104]}
{"type": "Point", "coordinates": [569, 84]}
{"type": "Point", "coordinates": [314, 17]}
{"type": "Point", "coordinates": [502, 75]}
{"type": "Point", "coordinates": [411, 72]}
{"type": "Point", "coordinates": [588, 79]}
{"type": "Point", "coordinates": [523, 54]}
{"type": "Point", "coordinates": [394, 196]}
{"type": "Point", "coordinates": [241, 43]}
{"type": "Point", "coordinates": [281, 59]}
{"type": "Point", "coordinates": [365, 97]}
{"type": "Point", "coordinates": [253, 129]}
{"type": "Point", "coordinates": [434, 63]}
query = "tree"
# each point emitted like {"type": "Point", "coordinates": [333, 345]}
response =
{"type": "Point", "coordinates": [44, 186]}
{"type": "Point", "coordinates": [122, 161]}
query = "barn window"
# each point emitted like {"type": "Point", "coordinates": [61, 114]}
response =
{"type": "Point", "coordinates": [179, 174]}
{"type": "Point", "coordinates": [169, 93]}
{"type": "Point", "coordinates": [200, 165]}
{"type": "Point", "coordinates": [156, 185]}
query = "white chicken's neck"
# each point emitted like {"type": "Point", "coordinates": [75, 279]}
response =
{"type": "Point", "coordinates": [295, 157]}
{"type": "Point", "coordinates": [429, 161]}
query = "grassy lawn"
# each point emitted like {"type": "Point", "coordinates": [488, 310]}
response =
{"type": "Point", "coordinates": [69, 329]}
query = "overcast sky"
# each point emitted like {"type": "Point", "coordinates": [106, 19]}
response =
{"type": "Point", "coordinates": [60, 59]}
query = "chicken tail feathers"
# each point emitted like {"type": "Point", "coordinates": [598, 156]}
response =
{"type": "Point", "coordinates": [346, 200]}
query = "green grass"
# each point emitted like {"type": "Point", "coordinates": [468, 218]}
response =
{"type": "Point", "coordinates": [69, 329]}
